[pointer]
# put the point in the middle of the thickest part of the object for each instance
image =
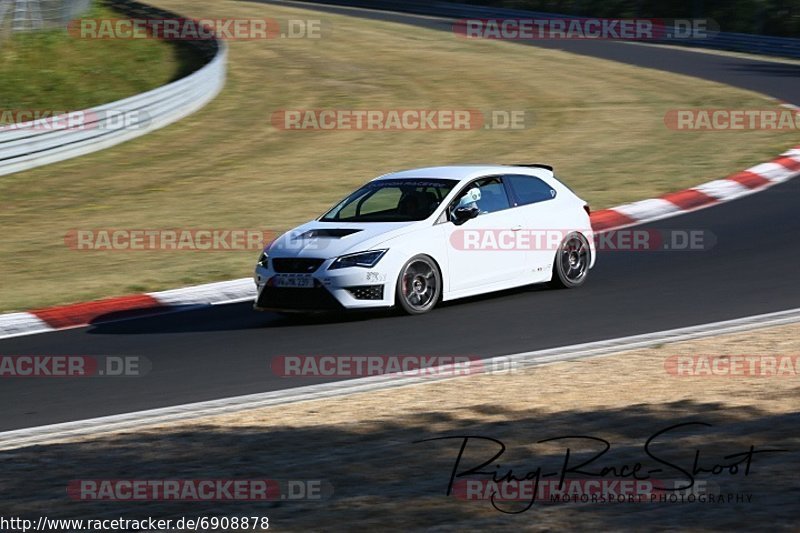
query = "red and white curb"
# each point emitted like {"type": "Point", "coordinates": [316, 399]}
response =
{"type": "Point", "coordinates": [752, 180]}
{"type": "Point", "coordinates": [749, 181]}
{"type": "Point", "coordinates": [123, 307]}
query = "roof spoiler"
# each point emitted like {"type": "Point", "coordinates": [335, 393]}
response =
{"type": "Point", "coordinates": [534, 165]}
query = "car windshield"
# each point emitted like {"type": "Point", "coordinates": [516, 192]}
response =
{"type": "Point", "coordinates": [392, 200]}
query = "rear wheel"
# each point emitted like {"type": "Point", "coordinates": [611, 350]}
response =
{"type": "Point", "coordinates": [571, 263]}
{"type": "Point", "coordinates": [419, 285]}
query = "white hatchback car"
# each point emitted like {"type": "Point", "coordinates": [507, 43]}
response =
{"type": "Point", "coordinates": [414, 238]}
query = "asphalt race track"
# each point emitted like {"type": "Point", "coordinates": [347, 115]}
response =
{"type": "Point", "coordinates": [225, 351]}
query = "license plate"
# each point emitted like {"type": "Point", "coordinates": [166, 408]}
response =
{"type": "Point", "coordinates": [295, 281]}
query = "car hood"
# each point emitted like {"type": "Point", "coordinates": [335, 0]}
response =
{"type": "Point", "coordinates": [332, 239]}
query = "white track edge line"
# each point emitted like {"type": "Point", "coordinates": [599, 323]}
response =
{"type": "Point", "coordinates": [93, 427]}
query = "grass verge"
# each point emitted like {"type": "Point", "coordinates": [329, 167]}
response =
{"type": "Point", "coordinates": [600, 123]}
{"type": "Point", "coordinates": [364, 446]}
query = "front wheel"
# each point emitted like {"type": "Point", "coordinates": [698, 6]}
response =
{"type": "Point", "coordinates": [419, 285]}
{"type": "Point", "coordinates": [571, 263]}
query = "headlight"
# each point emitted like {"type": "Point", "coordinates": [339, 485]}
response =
{"type": "Point", "coordinates": [263, 260]}
{"type": "Point", "coordinates": [360, 259]}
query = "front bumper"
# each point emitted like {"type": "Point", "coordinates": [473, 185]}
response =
{"type": "Point", "coordinates": [289, 299]}
{"type": "Point", "coordinates": [346, 288]}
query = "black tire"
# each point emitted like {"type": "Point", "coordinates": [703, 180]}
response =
{"type": "Point", "coordinates": [571, 262]}
{"type": "Point", "coordinates": [419, 286]}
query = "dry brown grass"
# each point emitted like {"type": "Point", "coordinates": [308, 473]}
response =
{"type": "Point", "coordinates": [600, 123]}
{"type": "Point", "coordinates": [363, 445]}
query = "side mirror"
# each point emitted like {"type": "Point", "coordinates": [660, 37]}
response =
{"type": "Point", "coordinates": [466, 207]}
{"type": "Point", "coordinates": [462, 214]}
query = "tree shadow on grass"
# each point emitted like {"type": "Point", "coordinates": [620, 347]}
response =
{"type": "Point", "coordinates": [382, 477]}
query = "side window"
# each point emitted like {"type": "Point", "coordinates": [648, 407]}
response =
{"type": "Point", "coordinates": [493, 195]}
{"type": "Point", "coordinates": [530, 190]}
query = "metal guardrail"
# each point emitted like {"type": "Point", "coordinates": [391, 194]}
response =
{"type": "Point", "coordinates": [29, 145]}
{"type": "Point", "coordinates": [737, 42]}
{"type": "Point", "coordinates": [744, 42]}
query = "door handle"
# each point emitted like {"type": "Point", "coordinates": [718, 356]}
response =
{"type": "Point", "coordinates": [516, 228]}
